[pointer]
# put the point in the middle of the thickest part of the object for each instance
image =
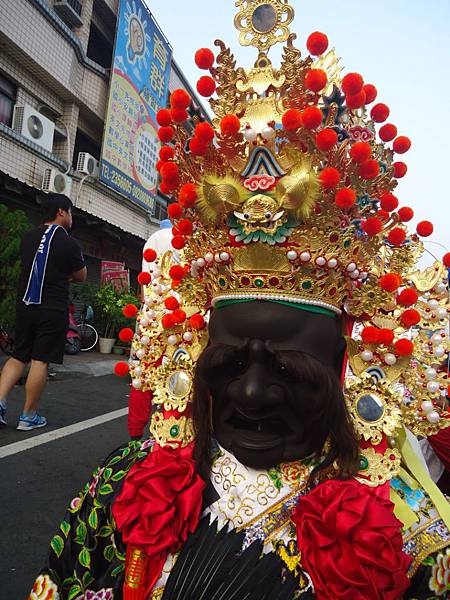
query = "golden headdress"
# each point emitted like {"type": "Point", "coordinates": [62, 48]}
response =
{"type": "Point", "coordinates": [288, 196]}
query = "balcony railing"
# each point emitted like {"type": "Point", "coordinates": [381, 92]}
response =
{"type": "Point", "coordinates": [69, 11]}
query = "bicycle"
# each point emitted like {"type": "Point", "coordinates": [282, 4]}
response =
{"type": "Point", "coordinates": [6, 341]}
{"type": "Point", "coordinates": [88, 333]}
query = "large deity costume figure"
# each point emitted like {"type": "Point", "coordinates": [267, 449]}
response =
{"type": "Point", "coordinates": [294, 353]}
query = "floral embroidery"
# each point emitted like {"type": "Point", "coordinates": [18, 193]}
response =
{"type": "Point", "coordinates": [95, 481]}
{"type": "Point", "coordinates": [44, 589]}
{"type": "Point", "coordinates": [440, 574]}
{"type": "Point", "coordinates": [76, 503]}
{"type": "Point", "coordinates": [104, 594]}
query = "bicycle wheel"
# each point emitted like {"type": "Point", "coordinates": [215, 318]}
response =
{"type": "Point", "coordinates": [88, 336]}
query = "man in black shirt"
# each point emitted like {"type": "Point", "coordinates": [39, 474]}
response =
{"type": "Point", "coordinates": [50, 258]}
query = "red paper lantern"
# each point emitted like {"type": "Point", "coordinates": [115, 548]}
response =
{"type": "Point", "coordinates": [311, 117]}
{"type": "Point", "coordinates": [163, 117]}
{"type": "Point", "coordinates": [316, 80]}
{"type": "Point", "coordinates": [329, 178]}
{"type": "Point", "coordinates": [165, 134]}
{"type": "Point", "coordinates": [291, 119]}
{"type": "Point", "coordinates": [204, 58]}
{"type": "Point", "coordinates": [401, 144]}
{"type": "Point", "coordinates": [230, 125]}
{"type": "Point", "coordinates": [360, 152]}
{"type": "Point", "coordinates": [424, 228]}
{"type": "Point", "coordinates": [129, 311]}
{"type": "Point", "coordinates": [126, 335]}
{"type": "Point", "coordinates": [405, 214]}
{"type": "Point", "coordinates": [388, 132]}
{"type": "Point", "coordinates": [121, 369]}
{"type": "Point", "coordinates": [379, 112]}
{"type": "Point", "coordinates": [352, 84]}
{"type": "Point", "coordinates": [404, 347]}
{"type": "Point", "coordinates": [150, 255]}
{"type": "Point", "coordinates": [317, 43]}
{"type": "Point", "coordinates": [206, 86]}
{"type": "Point", "coordinates": [144, 278]}
{"type": "Point", "coordinates": [345, 198]}
{"type": "Point", "coordinates": [371, 92]}
{"type": "Point", "coordinates": [180, 99]}
{"type": "Point", "coordinates": [326, 139]}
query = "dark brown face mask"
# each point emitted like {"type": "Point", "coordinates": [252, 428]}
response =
{"type": "Point", "coordinates": [272, 372]}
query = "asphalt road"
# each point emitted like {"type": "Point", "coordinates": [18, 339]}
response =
{"type": "Point", "coordinates": [37, 484]}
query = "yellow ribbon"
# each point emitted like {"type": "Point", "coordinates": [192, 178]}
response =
{"type": "Point", "coordinates": [402, 511]}
{"type": "Point", "coordinates": [415, 467]}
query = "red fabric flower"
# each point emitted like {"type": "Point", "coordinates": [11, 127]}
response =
{"type": "Point", "coordinates": [160, 502]}
{"type": "Point", "coordinates": [351, 543]}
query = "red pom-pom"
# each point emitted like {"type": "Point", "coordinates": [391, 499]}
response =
{"type": "Point", "coordinates": [388, 202]}
{"type": "Point", "coordinates": [345, 198]}
{"type": "Point", "coordinates": [370, 335]}
{"type": "Point", "coordinates": [317, 43]}
{"type": "Point", "coordinates": [404, 347]}
{"type": "Point", "coordinates": [169, 170]}
{"type": "Point", "coordinates": [401, 144]}
{"type": "Point", "coordinates": [178, 316]}
{"type": "Point", "coordinates": [159, 164]}
{"type": "Point", "coordinates": [383, 214]}
{"type": "Point", "coordinates": [311, 117]}
{"type": "Point", "coordinates": [180, 99]}
{"type": "Point", "coordinates": [163, 188]}
{"type": "Point", "coordinates": [129, 311]}
{"type": "Point", "coordinates": [204, 58]}
{"type": "Point", "coordinates": [316, 80]}
{"type": "Point", "coordinates": [369, 169]}
{"type": "Point", "coordinates": [166, 153]}
{"type": "Point", "coordinates": [167, 321]}
{"type": "Point", "coordinates": [407, 297]}
{"type": "Point", "coordinates": [230, 125]}
{"type": "Point", "coordinates": [399, 169]}
{"type": "Point", "coordinates": [172, 183]}
{"type": "Point", "coordinates": [424, 228]}
{"type": "Point", "coordinates": [356, 100]}
{"type": "Point", "coordinates": [329, 178]}
{"type": "Point", "coordinates": [126, 335]}
{"type": "Point", "coordinates": [163, 117]}
{"type": "Point", "coordinates": [178, 242]}
{"type": "Point", "coordinates": [388, 132]}
{"type": "Point", "coordinates": [326, 139]}
{"type": "Point", "coordinates": [185, 226]}
{"type": "Point", "coordinates": [390, 282]}
{"type": "Point", "coordinates": [171, 303]}
{"type": "Point", "coordinates": [177, 272]}
{"type": "Point", "coordinates": [150, 255]}
{"type": "Point", "coordinates": [206, 86]}
{"type": "Point", "coordinates": [386, 337]}
{"type": "Point", "coordinates": [410, 317]}
{"type": "Point", "coordinates": [352, 84]}
{"type": "Point", "coordinates": [197, 321]}
{"type": "Point", "coordinates": [291, 119]}
{"type": "Point", "coordinates": [188, 195]}
{"type": "Point", "coordinates": [372, 226]}
{"type": "Point", "coordinates": [360, 152]}
{"type": "Point", "coordinates": [144, 278]}
{"type": "Point", "coordinates": [197, 147]}
{"type": "Point", "coordinates": [379, 112]}
{"type": "Point", "coordinates": [179, 115]}
{"type": "Point", "coordinates": [204, 133]}
{"type": "Point", "coordinates": [121, 369]}
{"type": "Point", "coordinates": [175, 210]}
{"type": "Point", "coordinates": [446, 260]}
{"type": "Point", "coordinates": [165, 134]}
{"type": "Point", "coordinates": [370, 91]}
{"type": "Point", "coordinates": [405, 214]}
{"type": "Point", "coordinates": [396, 236]}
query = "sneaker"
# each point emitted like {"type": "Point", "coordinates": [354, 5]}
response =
{"type": "Point", "coordinates": [2, 415]}
{"type": "Point", "coordinates": [29, 423]}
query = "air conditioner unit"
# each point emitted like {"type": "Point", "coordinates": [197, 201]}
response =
{"type": "Point", "coordinates": [56, 182]}
{"type": "Point", "coordinates": [69, 11]}
{"type": "Point", "coordinates": [34, 126]}
{"type": "Point", "coordinates": [87, 164]}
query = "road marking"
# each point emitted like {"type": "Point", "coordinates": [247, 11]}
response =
{"type": "Point", "coordinates": [51, 436]}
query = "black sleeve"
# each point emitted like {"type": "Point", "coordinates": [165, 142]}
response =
{"type": "Point", "coordinates": [74, 256]}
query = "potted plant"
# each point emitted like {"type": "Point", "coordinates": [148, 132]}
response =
{"type": "Point", "coordinates": [108, 304]}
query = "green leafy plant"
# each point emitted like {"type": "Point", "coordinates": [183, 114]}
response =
{"type": "Point", "coordinates": [108, 304]}
{"type": "Point", "coordinates": [13, 225]}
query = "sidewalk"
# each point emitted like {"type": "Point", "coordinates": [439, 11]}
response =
{"type": "Point", "coordinates": [90, 364]}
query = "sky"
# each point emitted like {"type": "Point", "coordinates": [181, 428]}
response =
{"type": "Point", "coordinates": [401, 46]}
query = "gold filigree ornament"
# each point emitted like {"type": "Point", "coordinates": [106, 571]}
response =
{"type": "Point", "coordinates": [263, 23]}
{"type": "Point", "coordinates": [173, 383]}
{"type": "Point", "coordinates": [374, 408]}
{"type": "Point", "coordinates": [172, 431]}
{"type": "Point", "coordinates": [375, 468]}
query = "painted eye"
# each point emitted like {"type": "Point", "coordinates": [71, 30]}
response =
{"type": "Point", "coordinates": [268, 215]}
{"type": "Point", "coordinates": [246, 216]}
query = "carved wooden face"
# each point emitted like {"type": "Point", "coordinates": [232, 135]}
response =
{"type": "Point", "coordinates": [273, 375]}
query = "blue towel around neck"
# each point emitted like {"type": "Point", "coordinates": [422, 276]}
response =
{"type": "Point", "coordinates": [33, 293]}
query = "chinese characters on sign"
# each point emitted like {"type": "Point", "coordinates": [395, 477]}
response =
{"type": "Point", "coordinates": [138, 89]}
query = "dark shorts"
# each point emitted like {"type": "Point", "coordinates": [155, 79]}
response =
{"type": "Point", "coordinates": [40, 334]}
